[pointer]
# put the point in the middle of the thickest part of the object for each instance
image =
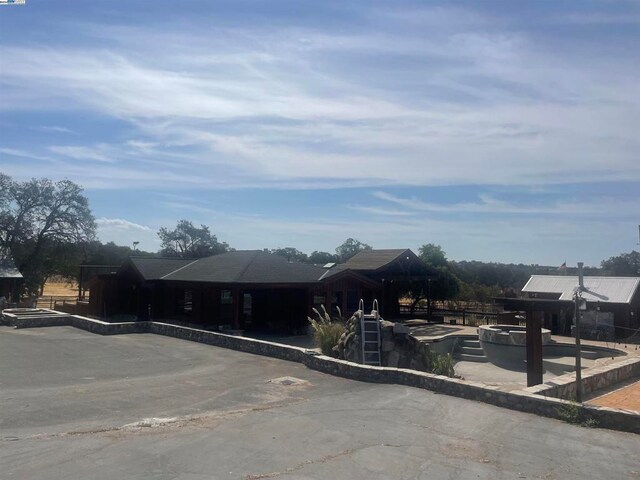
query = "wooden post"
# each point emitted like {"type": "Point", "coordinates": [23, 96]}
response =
{"type": "Point", "coordinates": [327, 299]}
{"type": "Point", "coordinates": [235, 298]}
{"type": "Point", "coordinates": [534, 348]}
{"type": "Point", "coordinates": [80, 283]}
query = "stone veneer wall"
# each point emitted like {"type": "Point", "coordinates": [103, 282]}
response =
{"type": "Point", "coordinates": [596, 378]}
{"type": "Point", "coordinates": [398, 349]}
{"type": "Point", "coordinates": [524, 401]}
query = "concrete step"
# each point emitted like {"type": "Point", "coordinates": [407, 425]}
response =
{"type": "Point", "coordinates": [471, 351]}
{"type": "Point", "coordinates": [470, 358]}
{"type": "Point", "coordinates": [469, 343]}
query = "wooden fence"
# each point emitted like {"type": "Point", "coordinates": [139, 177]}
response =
{"type": "Point", "coordinates": [51, 301]}
{"type": "Point", "coordinates": [463, 316]}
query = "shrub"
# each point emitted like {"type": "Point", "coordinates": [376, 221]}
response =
{"type": "Point", "coordinates": [440, 364]}
{"type": "Point", "coordinates": [575, 414]}
{"type": "Point", "coordinates": [326, 332]}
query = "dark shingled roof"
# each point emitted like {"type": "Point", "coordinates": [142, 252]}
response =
{"type": "Point", "coordinates": [246, 266]}
{"type": "Point", "coordinates": [373, 259]}
{"type": "Point", "coordinates": [153, 268]}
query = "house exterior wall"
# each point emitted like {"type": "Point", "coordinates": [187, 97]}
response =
{"type": "Point", "coordinates": [346, 293]}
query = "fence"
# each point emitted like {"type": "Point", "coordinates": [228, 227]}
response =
{"type": "Point", "coordinates": [464, 316]}
{"type": "Point", "coordinates": [52, 301]}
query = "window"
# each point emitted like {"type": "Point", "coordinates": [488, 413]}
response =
{"type": "Point", "coordinates": [183, 301]}
{"type": "Point", "coordinates": [226, 297]}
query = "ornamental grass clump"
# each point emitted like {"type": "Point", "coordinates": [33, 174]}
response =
{"type": "Point", "coordinates": [440, 364]}
{"type": "Point", "coordinates": [326, 331]}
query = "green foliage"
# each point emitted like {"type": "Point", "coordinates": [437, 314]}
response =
{"type": "Point", "coordinates": [624, 265]}
{"type": "Point", "coordinates": [322, 258]}
{"type": "Point", "coordinates": [189, 241]}
{"type": "Point", "coordinates": [439, 364]}
{"type": "Point", "coordinates": [494, 274]}
{"type": "Point", "coordinates": [433, 255]}
{"type": "Point", "coordinates": [326, 331]}
{"type": "Point", "coordinates": [446, 285]}
{"type": "Point", "coordinates": [574, 413]}
{"type": "Point", "coordinates": [97, 253]}
{"type": "Point", "coordinates": [349, 248]}
{"type": "Point", "coordinates": [476, 292]}
{"type": "Point", "coordinates": [291, 254]}
{"type": "Point", "coordinates": [42, 224]}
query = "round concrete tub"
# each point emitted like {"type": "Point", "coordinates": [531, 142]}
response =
{"type": "Point", "coordinates": [506, 345]}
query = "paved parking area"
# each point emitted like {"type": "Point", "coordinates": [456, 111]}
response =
{"type": "Point", "coordinates": [76, 405]}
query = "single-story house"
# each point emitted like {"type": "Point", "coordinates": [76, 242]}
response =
{"type": "Point", "coordinates": [252, 289]}
{"type": "Point", "coordinates": [10, 277]}
{"type": "Point", "coordinates": [611, 303]}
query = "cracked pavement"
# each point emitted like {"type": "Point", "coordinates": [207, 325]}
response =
{"type": "Point", "coordinates": [76, 405]}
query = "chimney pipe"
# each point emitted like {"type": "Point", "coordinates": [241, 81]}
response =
{"type": "Point", "coordinates": [580, 277]}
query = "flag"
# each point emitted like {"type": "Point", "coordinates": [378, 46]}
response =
{"type": "Point", "coordinates": [563, 267]}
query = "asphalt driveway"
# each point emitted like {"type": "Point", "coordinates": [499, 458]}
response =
{"type": "Point", "coordinates": [75, 405]}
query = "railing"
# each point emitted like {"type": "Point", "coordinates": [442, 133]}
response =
{"type": "Point", "coordinates": [464, 316]}
{"type": "Point", "coordinates": [51, 301]}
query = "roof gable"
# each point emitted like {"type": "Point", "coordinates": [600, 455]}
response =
{"type": "Point", "coordinates": [154, 268]}
{"type": "Point", "coordinates": [597, 289]}
{"type": "Point", "coordinates": [392, 263]}
{"type": "Point", "coordinates": [246, 266]}
{"type": "Point", "coordinates": [374, 259]}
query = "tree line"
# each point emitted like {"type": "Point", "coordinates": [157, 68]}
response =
{"type": "Point", "coordinates": [48, 229]}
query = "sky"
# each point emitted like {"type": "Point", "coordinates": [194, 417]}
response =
{"type": "Point", "coordinates": [502, 131]}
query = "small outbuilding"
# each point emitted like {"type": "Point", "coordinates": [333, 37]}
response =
{"type": "Point", "coordinates": [10, 278]}
{"type": "Point", "coordinates": [612, 303]}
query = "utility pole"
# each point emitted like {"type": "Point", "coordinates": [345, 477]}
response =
{"type": "Point", "coordinates": [577, 302]}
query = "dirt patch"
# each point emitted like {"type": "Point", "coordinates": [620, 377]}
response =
{"type": "Point", "coordinates": [60, 289]}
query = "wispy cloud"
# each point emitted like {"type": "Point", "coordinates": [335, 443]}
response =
{"type": "Point", "coordinates": [460, 104]}
{"type": "Point", "coordinates": [486, 204]}
{"type": "Point", "coordinates": [392, 98]}
{"type": "Point", "coordinates": [125, 232]}
{"type": "Point", "coordinates": [45, 128]}
{"type": "Point", "coordinates": [14, 152]}
{"type": "Point", "coordinates": [97, 153]}
{"type": "Point", "coordinates": [599, 18]}
{"type": "Point", "coordinates": [387, 212]}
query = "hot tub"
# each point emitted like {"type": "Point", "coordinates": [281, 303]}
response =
{"type": "Point", "coordinates": [506, 345]}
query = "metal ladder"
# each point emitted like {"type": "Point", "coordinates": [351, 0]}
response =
{"type": "Point", "coordinates": [370, 330]}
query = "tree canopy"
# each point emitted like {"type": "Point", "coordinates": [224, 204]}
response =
{"type": "Point", "coordinates": [433, 255]}
{"type": "Point", "coordinates": [322, 258]}
{"type": "Point", "coordinates": [189, 241]}
{"type": "Point", "coordinates": [349, 248]}
{"type": "Point", "coordinates": [623, 265]}
{"type": "Point", "coordinates": [40, 222]}
{"type": "Point", "coordinates": [291, 254]}
{"type": "Point", "coordinates": [446, 285]}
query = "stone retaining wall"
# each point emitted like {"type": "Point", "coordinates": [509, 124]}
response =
{"type": "Point", "coordinates": [524, 401]}
{"type": "Point", "coordinates": [243, 344]}
{"type": "Point", "coordinates": [593, 379]}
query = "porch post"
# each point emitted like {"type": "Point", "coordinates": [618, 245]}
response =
{"type": "Point", "coordinates": [235, 296]}
{"type": "Point", "coordinates": [327, 299]}
{"type": "Point", "coordinates": [534, 348]}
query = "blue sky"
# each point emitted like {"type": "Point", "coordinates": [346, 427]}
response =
{"type": "Point", "coordinates": [503, 131]}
